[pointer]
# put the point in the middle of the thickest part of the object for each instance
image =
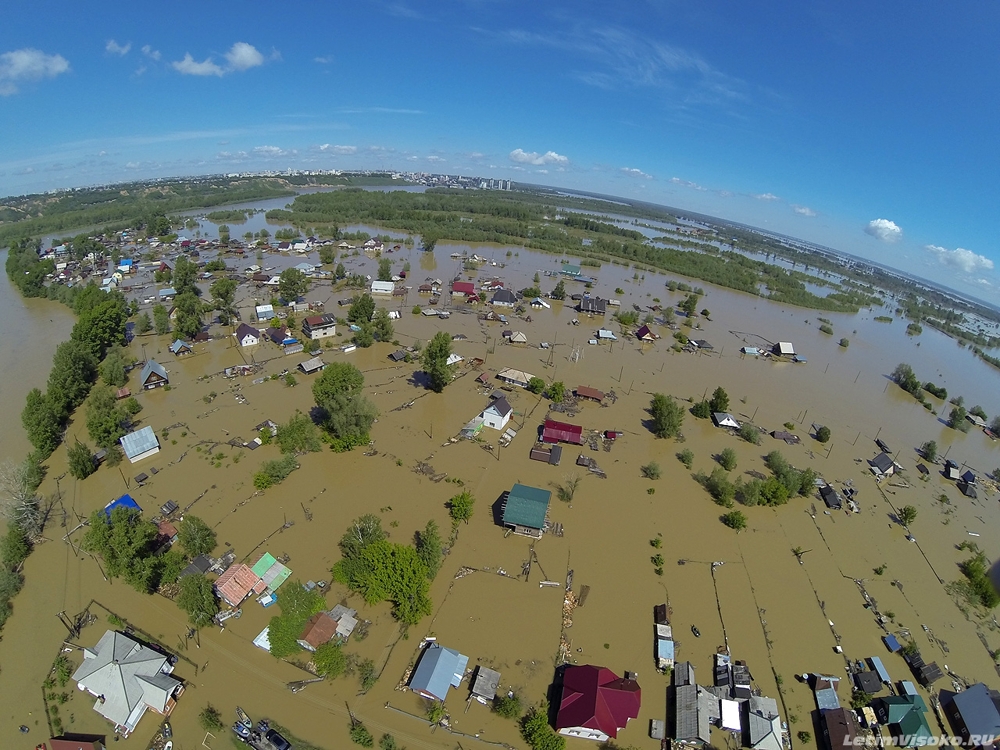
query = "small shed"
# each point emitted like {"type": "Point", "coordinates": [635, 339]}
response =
{"type": "Point", "coordinates": [891, 643]}
{"type": "Point", "coordinates": [180, 347]}
{"type": "Point", "coordinates": [831, 497]}
{"type": "Point", "coordinates": [140, 444]}
{"type": "Point", "coordinates": [398, 356]}
{"type": "Point", "coordinates": [585, 391]}
{"type": "Point", "coordinates": [485, 683]}
{"type": "Point", "coordinates": [312, 366]}
{"type": "Point", "coordinates": [876, 663]}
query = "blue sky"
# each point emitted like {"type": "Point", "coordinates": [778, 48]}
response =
{"type": "Point", "coordinates": [868, 127]}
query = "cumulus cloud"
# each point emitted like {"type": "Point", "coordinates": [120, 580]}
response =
{"type": "Point", "coordinates": [25, 65]}
{"type": "Point", "coordinates": [962, 259]}
{"type": "Point", "coordinates": [687, 183]}
{"type": "Point", "coordinates": [768, 197]}
{"type": "Point", "coordinates": [433, 158]}
{"type": "Point", "coordinates": [884, 230]}
{"type": "Point", "coordinates": [520, 156]}
{"type": "Point", "coordinates": [243, 56]}
{"type": "Point", "coordinates": [112, 47]}
{"type": "Point", "coordinates": [803, 211]}
{"type": "Point", "coordinates": [637, 173]}
{"type": "Point", "coordinates": [323, 60]}
{"type": "Point", "coordinates": [152, 54]}
{"type": "Point", "coordinates": [190, 67]}
{"type": "Point", "coordinates": [339, 149]}
{"type": "Point", "coordinates": [271, 151]}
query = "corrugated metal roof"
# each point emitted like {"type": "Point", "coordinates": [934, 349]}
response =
{"type": "Point", "coordinates": [526, 506]}
{"type": "Point", "coordinates": [138, 442]}
{"type": "Point", "coordinates": [879, 667]}
{"type": "Point", "coordinates": [151, 367]}
{"type": "Point", "coordinates": [438, 669]}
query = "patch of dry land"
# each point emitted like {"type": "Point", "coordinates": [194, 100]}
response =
{"type": "Point", "coordinates": [783, 616]}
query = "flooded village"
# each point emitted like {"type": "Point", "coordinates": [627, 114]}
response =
{"type": "Point", "coordinates": [594, 570]}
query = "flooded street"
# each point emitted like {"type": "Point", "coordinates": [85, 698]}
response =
{"type": "Point", "coordinates": [769, 609]}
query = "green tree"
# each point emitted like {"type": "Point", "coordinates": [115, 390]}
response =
{"type": "Point", "coordinates": [387, 742]}
{"type": "Point", "coordinates": [223, 293]}
{"type": "Point", "coordinates": [666, 416]}
{"type": "Point", "coordinates": [702, 409]}
{"type": "Point", "coordinates": [185, 275]}
{"type": "Point", "coordinates": [536, 731]}
{"type": "Point", "coordinates": [107, 418]}
{"type": "Point", "coordinates": [557, 392]}
{"type": "Point", "coordinates": [686, 457]}
{"type": "Point", "coordinates": [689, 305]}
{"type": "Point", "coordinates": [161, 319]}
{"type": "Point", "coordinates": [347, 414]}
{"type": "Point", "coordinates": [113, 368]}
{"type": "Point", "coordinates": [42, 423]}
{"type": "Point", "coordinates": [362, 310]}
{"type": "Point", "coordinates": [461, 506]}
{"type": "Point", "coordinates": [74, 369]}
{"type": "Point", "coordinates": [366, 336]}
{"type": "Point", "coordinates": [337, 379]}
{"type": "Point", "coordinates": [735, 520]}
{"type": "Point", "coordinates": [907, 515]}
{"type": "Point", "coordinates": [384, 269]}
{"type": "Point", "coordinates": [823, 434]}
{"type": "Point", "coordinates": [14, 547]}
{"type": "Point", "coordinates": [330, 660]}
{"type": "Point", "coordinates": [430, 548]}
{"type": "Point", "coordinates": [340, 272]}
{"type": "Point", "coordinates": [197, 598]}
{"type": "Point", "coordinates": [292, 284]}
{"type": "Point", "coordinates": [727, 459]}
{"type": "Point", "coordinates": [435, 361]}
{"type": "Point", "coordinates": [559, 292]}
{"type": "Point", "coordinates": [188, 323]}
{"type": "Point", "coordinates": [102, 325]}
{"type": "Point", "coordinates": [845, 342]}
{"type": "Point", "coordinates": [196, 536]}
{"type": "Point", "coordinates": [720, 400]}
{"type": "Point", "coordinates": [719, 487]}
{"type": "Point", "coordinates": [327, 255]}
{"type": "Point", "coordinates": [507, 706]}
{"type": "Point", "coordinates": [956, 419]}
{"type": "Point", "coordinates": [749, 433]}
{"type": "Point", "coordinates": [360, 735]}
{"type": "Point", "coordinates": [81, 460]}
{"type": "Point", "coordinates": [210, 719]}
{"type": "Point", "coordinates": [651, 470]}
{"type": "Point", "coordinates": [382, 325]}
{"type": "Point", "coordinates": [536, 385]}
{"type": "Point", "coordinates": [125, 543]}
{"type": "Point", "coordinates": [904, 377]}
{"type": "Point", "coordinates": [299, 435]}
{"type": "Point", "coordinates": [143, 324]}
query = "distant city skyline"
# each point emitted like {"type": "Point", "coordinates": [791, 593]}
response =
{"type": "Point", "coordinates": [866, 129]}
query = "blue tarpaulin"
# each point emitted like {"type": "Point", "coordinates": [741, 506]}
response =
{"type": "Point", "coordinates": [125, 501]}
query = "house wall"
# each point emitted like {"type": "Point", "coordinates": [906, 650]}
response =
{"type": "Point", "coordinates": [147, 454]}
{"type": "Point", "coordinates": [249, 341]}
{"type": "Point", "coordinates": [585, 733]}
{"type": "Point", "coordinates": [492, 419]}
{"type": "Point", "coordinates": [322, 333]}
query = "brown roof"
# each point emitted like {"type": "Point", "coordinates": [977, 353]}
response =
{"type": "Point", "coordinates": [167, 529]}
{"type": "Point", "coordinates": [236, 583]}
{"type": "Point", "coordinates": [319, 629]}
{"type": "Point", "coordinates": [585, 391]}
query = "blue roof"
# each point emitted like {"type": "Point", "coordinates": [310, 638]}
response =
{"type": "Point", "coordinates": [175, 347]}
{"type": "Point", "coordinates": [138, 442]}
{"type": "Point", "coordinates": [168, 292]}
{"type": "Point", "coordinates": [908, 688]}
{"type": "Point", "coordinates": [125, 501]}
{"type": "Point", "coordinates": [879, 667]}
{"type": "Point", "coordinates": [439, 669]}
{"type": "Point", "coordinates": [891, 643]}
{"type": "Point", "coordinates": [665, 649]}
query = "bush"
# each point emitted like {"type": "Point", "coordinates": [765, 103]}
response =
{"type": "Point", "coordinates": [727, 459]}
{"type": "Point", "coordinates": [361, 736]}
{"type": "Point", "coordinates": [826, 329]}
{"type": "Point", "coordinates": [844, 342]}
{"type": "Point", "coordinates": [536, 385]}
{"type": "Point", "coordinates": [273, 472]}
{"type": "Point", "coordinates": [686, 457]}
{"type": "Point", "coordinates": [507, 706]}
{"type": "Point", "coordinates": [823, 434]}
{"type": "Point", "coordinates": [330, 660]}
{"type": "Point", "coordinates": [735, 520]}
{"type": "Point", "coordinates": [651, 470]}
{"type": "Point", "coordinates": [929, 450]}
{"type": "Point", "coordinates": [210, 718]}
{"type": "Point", "coordinates": [749, 433]}
{"type": "Point", "coordinates": [702, 410]}
{"type": "Point", "coordinates": [536, 731]}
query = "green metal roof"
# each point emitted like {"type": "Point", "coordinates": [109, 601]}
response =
{"type": "Point", "coordinates": [526, 506]}
{"type": "Point", "coordinates": [906, 712]}
{"type": "Point", "coordinates": [264, 564]}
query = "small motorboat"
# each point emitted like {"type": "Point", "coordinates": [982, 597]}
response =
{"type": "Point", "coordinates": [697, 633]}
{"type": "Point", "coordinates": [262, 726]}
{"type": "Point", "coordinates": [168, 731]}
{"type": "Point", "coordinates": [241, 731]}
{"type": "Point", "coordinates": [244, 719]}
{"type": "Point", "coordinates": [169, 745]}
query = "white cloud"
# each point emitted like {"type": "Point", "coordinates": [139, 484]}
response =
{"type": "Point", "coordinates": [884, 230]}
{"type": "Point", "coordinates": [243, 56]}
{"type": "Point", "coordinates": [325, 60]}
{"type": "Point", "coordinates": [520, 156]}
{"type": "Point", "coordinates": [687, 183]}
{"type": "Point", "coordinates": [803, 211]}
{"type": "Point", "coordinates": [271, 151]}
{"type": "Point", "coordinates": [189, 67]}
{"type": "Point", "coordinates": [28, 65]}
{"type": "Point", "coordinates": [132, 165]}
{"type": "Point", "coordinates": [152, 54]}
{"type": "Point", "coordinates": [638, 173]}
{"type": "Point", "coordinates": [114, 48]}
{"type": "Point", "coordinates": [339, 149]}
{"type": "Point", "coordinates": [767, 197]}
{"type": "Point", "coordinates": [433, 158]}
{"type": "Point", "coordinates": [962, 259]}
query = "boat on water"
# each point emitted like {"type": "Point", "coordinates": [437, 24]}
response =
{"type": "Point", "coordinates": [697, 633]}
{"type": "Point", "coordinates": [241, 731]}
{"type": "Point", "coordinates": [244, 719]}
{"type": "Point", "coordinates": [169, 745]}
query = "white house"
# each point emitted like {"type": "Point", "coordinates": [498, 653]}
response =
{"type": "Point", "coordinates": [497, 414]}
{"type": "Point", "coordinates": [247, 335]}
{"type": "Point", "coordinates": [724, 419]}
{"type": "Point", "coordinates": [453, 359]}
{"type": "Point", "coordinates": [265, 312]}
{"type": "Point", "coordinates": [383, 287]}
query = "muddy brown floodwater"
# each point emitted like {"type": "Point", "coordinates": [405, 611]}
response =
{"type": "Point", "coordinates": [769, 609]}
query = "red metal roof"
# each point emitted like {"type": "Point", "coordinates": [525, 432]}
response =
{"type": "Point", "coordinates": [596, 698]}
{"type": "Point", "coordinates": [463, 287]}
{"type": "Point", "coordinates": [561, 432]}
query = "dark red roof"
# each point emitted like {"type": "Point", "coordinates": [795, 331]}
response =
{"type": "Point", "coordinates": [561, 432]}
{"type": "Point", "coordinates": [645, 334]}
{"type": "Point", "coordinates": [597, 698]}
{"type": "Point", "coordinates": [585, 391]}
{"type": "Point", "coordinates": [463, 287]}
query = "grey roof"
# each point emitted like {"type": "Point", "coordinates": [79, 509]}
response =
{"type": "Point", "coordinates": [692, 713]}
{"type": "Point", "coordinates": [439, 668]}
{"type": "Point", "coordinates": [178, 346]}
{"type": "Point", "coordinates": [764, 732]}
{"type": "Point", "coordinates": [883, 462]}
{"type": "Point", "coordinates": [312, 365]}
{"type": "Point", "coordinates": [979, 709]}
{"type": "Point", "coordinates": [504, 295]}
{"type": "Point", "coordinates": [125, 673]}
{"type": "Point", "coordinates": [347, 620]}
{"type": "Point", "coordinates": [485, 683]}
{"type": "Point", "coordinates": [502, 406]}
{"type": "Point", "coordinates": [151, 367]}
{"type": "Point", "coordinates": [825, 689]}
{"type": "Point", "coordinates": [244, 330]}
{"type": "Point", "coordinates": [138, 442]}
{"type": "Point", "coordinates": [869, 682]}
